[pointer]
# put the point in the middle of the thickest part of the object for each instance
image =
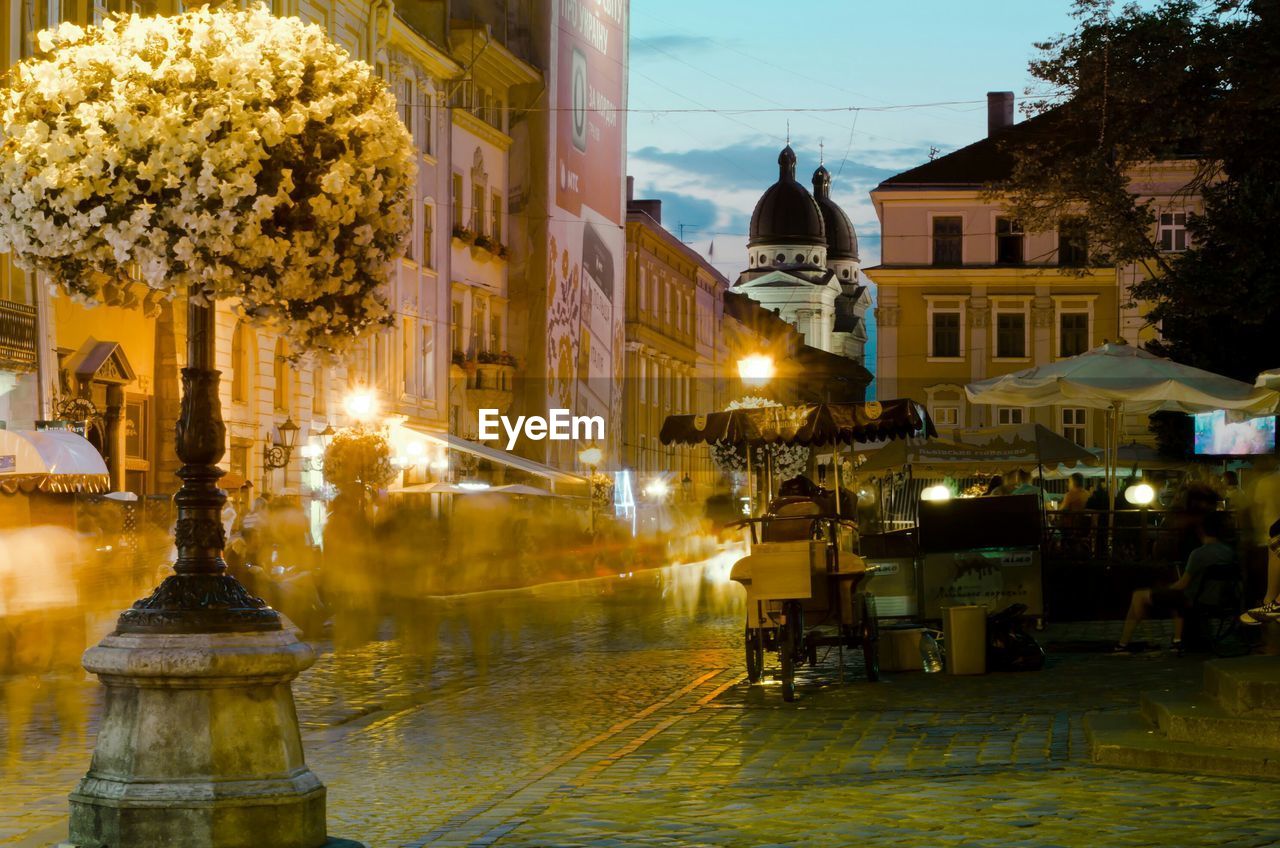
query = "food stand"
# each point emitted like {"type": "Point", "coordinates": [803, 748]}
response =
{"type": "Point", "coordinates": [980, 551]}
{"type": "Point", "coordinates": [964, 550]}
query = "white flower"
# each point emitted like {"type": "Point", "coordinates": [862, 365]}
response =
{"type": "Point", "coordinates": [241, 188]}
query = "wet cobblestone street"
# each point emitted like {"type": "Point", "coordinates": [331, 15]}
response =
{"type": "Point", "coordinates": [615, 713]}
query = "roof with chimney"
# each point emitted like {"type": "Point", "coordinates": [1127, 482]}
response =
{"type": "Point", "coordinates": [983, 162]}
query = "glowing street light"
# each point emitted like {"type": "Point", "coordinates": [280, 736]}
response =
{"type": "Point", "coordinates": [936, 493]}
{"type": "Point", "coordinates": [657, 489]}
{"type": "Point", "coordinates": [590, 457]}
{"type": "Point", "coordinates": [756, 369]}
{"type": "Point", "coordinates": [361, 405]}
{"type": "Point", "coordinates": [1140, 495]}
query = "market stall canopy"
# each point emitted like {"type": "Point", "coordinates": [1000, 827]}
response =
{"type": "Point", "coordinates": [994, 448]}
{"type": "Point", "coordinates": [803, 424]}
{"type": "Point", "coordinates": [50, 461]}
{"type": "Point", "coordinates": [1269, 380]}
{"type": "Point", "coordinates": [1114, 375]}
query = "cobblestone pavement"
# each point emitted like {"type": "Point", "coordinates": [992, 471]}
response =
{"type": "Point", "coordinates": [614, 713]}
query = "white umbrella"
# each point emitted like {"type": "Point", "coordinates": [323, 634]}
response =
{"type": "Point", "coordinates": [1120, 379]}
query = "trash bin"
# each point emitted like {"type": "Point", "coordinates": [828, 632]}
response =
{"type": "Point", "coordinates": [965, 631]}
{"type": "Point", "coordinates": [900, 648]}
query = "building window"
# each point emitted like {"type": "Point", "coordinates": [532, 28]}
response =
{"type": "Point", "coordinates": [948, 239]}
{"type": "Point", "coordinates": [428, 236]}
{"type": "Point", "coordinates": [13, 283]}
{"type": "Point", "coordinates": [1073, 243]}
{"type": "Point", "coordinates": [239, 459]}
{"type": "Point", "coordinates": [1010, 415]}
{"type": "Point", "coordinates": [477, 327]}
{"type": "Point", "coordinates": [1173, 231]}
{"type": "Point", "coordinates": [1011, 335]}
{"type": "Point", "coordinates": [319, 391]}
{"type": "Point", "coordinates": [428, 117]}
{"type": "Point", "coordinates": [495, 333]}
{"type": "Point", "coordinates": [407, 349]}
{"type": "Point", "coordinates": [1073, 424]}
{"type": "Point", "coordinates": [1073, 333]}
{"type": "Point", "coordinates": [406, 106]}
{"type": "Point", "coordinates": [459, 220]}
{"type": "Point", "coordinates": [456, 329]}
{"type": "Point", "coordinates": [283, 376]}
{"type": "Point", "coordinates": [495, 211]}
{"type": "Point", "coordinates": [947, 416]}
{"type": "Point", "coordinates": [242, 343]}
{"type": "Point", "coordinates": [426, 361]}
{"type": "Point", "coordinates": [477, 208]}
{"type": "Point", "coordinates": [1008, 242]}
{"type": "Point", "coordinates": [946, 335]}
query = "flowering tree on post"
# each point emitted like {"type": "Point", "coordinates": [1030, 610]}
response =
{"type": "Point", "coordinates": [212, 155]}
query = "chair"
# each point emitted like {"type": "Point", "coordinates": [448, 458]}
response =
{"type": "Point", "coordinates": [1213, 617]}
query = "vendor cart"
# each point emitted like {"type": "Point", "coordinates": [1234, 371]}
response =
{"type": "Point", "coordinates": [803, 576]}
{"type": "Point", "coordinates": [804, 592]}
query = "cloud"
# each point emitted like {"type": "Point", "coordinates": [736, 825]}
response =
{"type": "Point", "coordinates": [670, 43]}
{"type": "Point", "coordinates": [716, 189]}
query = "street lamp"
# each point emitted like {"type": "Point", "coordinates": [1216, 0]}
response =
{"type": "Point", "coordinates": [591, 457]}
{"type": "Point", "coordinates": [756, 369]}
{"type": "Point", "coordinates": [657, 489]}
{"type": "Point", "coordinates": [276, 455]}
{"type": "Point", "coordinates": [326, 435]}
{"type": "Point", "coordinates": [361, 405]}
{"type": "Point", "coordinates": [1140, 495]}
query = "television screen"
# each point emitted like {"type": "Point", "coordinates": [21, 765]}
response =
{"type": "Point", "coordinates": [1223, 434]}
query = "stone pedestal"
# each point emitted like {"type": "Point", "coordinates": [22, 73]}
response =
{"type": "Point", "coordinates": [199, 745]}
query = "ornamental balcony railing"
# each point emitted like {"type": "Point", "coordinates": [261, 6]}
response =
{"type": "Point", "coordinates": [17, 336]}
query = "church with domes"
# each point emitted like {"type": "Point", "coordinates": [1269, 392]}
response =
{"type": "Point", "coordinates": [803, 263]}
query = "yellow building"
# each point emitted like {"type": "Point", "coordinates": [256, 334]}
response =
{"type": "Point", "coordinates": [673, 364]}
{"type": "Point", "coordinates": [965, 294]}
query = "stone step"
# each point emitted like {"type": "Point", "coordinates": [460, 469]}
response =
{"type": "Point", "coordinates": [1202, 720]}
{"type": "Point", "coordinates": [1245, 685]}
{"type": "Point", "coordinates": [1129, 741]}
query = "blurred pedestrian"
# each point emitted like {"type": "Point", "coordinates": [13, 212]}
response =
{"type": "Point", "coordinates": [1269, 609]}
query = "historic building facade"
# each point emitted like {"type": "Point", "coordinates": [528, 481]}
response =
{"type": "Point", "coordinates": [675, 355]}
{"type": "Point", "coordinates": [803, 262]}
{"type": "Point", "coordinates": [965, 294]}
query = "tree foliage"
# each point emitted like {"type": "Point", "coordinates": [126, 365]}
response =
{"type": "Point", "coordinates": [1196, 81]}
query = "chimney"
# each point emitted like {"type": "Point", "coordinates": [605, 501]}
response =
{"type": "Point", "coordinates": [652, 208]}
{"type": "Point", "coordinates": [631, 188]}
{"type": "Point", "coordinates": [999, 111]}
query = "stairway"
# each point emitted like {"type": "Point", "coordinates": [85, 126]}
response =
{"type": "Point", "coordinates": [1230, 728]}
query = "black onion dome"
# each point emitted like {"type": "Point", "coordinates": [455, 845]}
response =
{"type": "Point", "coordinates": [786, 213]}
{"type": "Point", "coordinates": [842, 241]}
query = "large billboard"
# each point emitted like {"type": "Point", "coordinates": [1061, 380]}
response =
{"type": "Point", "coordinates": [586, 194]}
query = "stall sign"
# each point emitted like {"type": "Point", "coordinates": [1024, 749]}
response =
{"type": "Point", "coordinates": [8, 462]}
{"type": "Point", "coordinates": [994, 579]}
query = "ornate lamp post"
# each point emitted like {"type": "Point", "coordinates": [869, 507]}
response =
{"type": "Point", "coordinates": [277, 455]}
{"type": "Point", "coordinates": [289, 197]}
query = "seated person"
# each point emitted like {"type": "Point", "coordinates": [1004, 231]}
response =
{"type": "Point", "coordinates": [1269, 609]}
{"type": "Point", "coordinates": [1212, 554]}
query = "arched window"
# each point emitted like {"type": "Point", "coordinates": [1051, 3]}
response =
{"type": "Point", "coordinates": [242, 363]}
{"type": "Point", "coordinates": [283, 375]}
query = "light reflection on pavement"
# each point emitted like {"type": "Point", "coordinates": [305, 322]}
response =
{"type": "Point", "coordinates": [613, 712]}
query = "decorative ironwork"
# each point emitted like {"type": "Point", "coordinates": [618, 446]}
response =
{"type": "Point", "coordinates": [17, 335]}
{"type": "Point", "coordinates": [198, 603]}
{"type": "Point", "coordinates": [200, 597]}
